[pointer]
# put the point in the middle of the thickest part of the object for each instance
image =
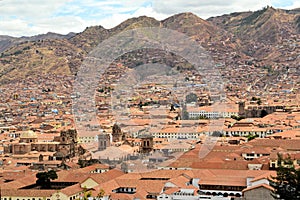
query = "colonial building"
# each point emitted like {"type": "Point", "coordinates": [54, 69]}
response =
{"type": "Point", "coordinates": [64, 146]}
{"type": "Point", "coordinates": [117, 135]}
{"type": "Point", "coordinates": [257, 110]}
{"type": "Point", "coordinates": [103, 141]}
{"type": "Point", "coordinates": [146, 143]}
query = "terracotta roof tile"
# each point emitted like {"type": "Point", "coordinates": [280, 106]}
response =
{"type": "Point", "coordinates": [258, 186]}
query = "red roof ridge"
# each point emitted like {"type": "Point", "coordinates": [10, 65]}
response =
{"type": "Point", "coordinates": [258, 186]}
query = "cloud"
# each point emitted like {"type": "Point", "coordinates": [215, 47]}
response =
{"type": "Point", "coordinates": [19, 27]}
{"type": "Point", "coordinates": [282, 4]}
{"type": "Point", "coordinates": [116, 19]}
{"type": "Point", "coordinates": [207, 9]}
{"type": "Point", "coordinates": [20, 17]}
{"type": "Point", "coordinates": [30, 17]}
{"type": "Point", "coordinates": [292, 4]}
{"type": "Point", "coordinates": [29, 9]}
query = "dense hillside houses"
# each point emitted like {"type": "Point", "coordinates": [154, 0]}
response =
{"type": "Point", "coordinates": [180, 133]}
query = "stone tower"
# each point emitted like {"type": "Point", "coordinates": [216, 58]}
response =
{"type": "Point", "coordinates": [242, 109]}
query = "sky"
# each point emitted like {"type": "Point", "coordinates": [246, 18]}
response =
{"type": "Point", "coordinates": [32, 17]}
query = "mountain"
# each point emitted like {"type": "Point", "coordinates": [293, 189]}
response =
{"type": "Point", "coordinates": [136, 22]}
{"type": "Point", "coordinates": [33, 58]}
{"type": "Point", "coordinates": [193, 26]}
{"type": "Point", "coordinates": [7, 41]}
{"type": "Point", "coordinates": [89, 38]}
{"type": "Point", "coordinates": [266, 34]}
{"type": "Point", "coordinates": [297, 23]}
{"type": "Point", "coordinates": [265, 37]}
{"type": "Point", "coordinates": [92, 36]}
{"type": "Point", "coordinates": [268, 25]}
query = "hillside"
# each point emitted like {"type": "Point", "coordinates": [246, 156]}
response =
{"type": "Point", "coordinates": [7, 41]}
{"type": "Point", "coordinates": [193, 26]}
{"type": "Point", "coordinates": [264, 37]}
{"type": "Point", "coordinates": [269, 35]}
{"type": "Point", "coordinates": [41, 57]}
{"type": "Point", "coordinates": [268, 25]}
{"type": "Point", "coordinates": [92, 36]}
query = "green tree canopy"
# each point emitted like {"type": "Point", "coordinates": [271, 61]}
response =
{"type": "Point", "coordinates": [101, 193]}
{"type": "Point", "coordinates": [191, 97]}
{"type": "Point", "coordinates": [287, 182]}
{"type": "Point", "coordinates": [44, 179]}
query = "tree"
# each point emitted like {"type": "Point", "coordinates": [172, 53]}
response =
{"type": "Point", "coordinates": [44, 179]}
{"type": "Point", "coordinates": [185, 115]}
{"type": "Point", "coordinates": [251, 137]}
{"type": "Point", "coordinates": [253, 99]}
{"type": "Point", "coordinates": [86, 194]}
{"type": "Point", "coordinates": [202, 117]}
{"type": "Point", "coordinates": [287, 182]}
{"type": "Point", "coordinates": [238, 118]}
{"type": "Point", "coordinates": [259, 102]}
{"type": "Point", "coordinates": [101, 193]}
{"type": "Point", "coordinates": [191, 98]}
{"type": "Point", "coordinates": [263, 113]}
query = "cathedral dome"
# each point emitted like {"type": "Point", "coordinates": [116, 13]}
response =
{"type": "Point", "coordinates": [28, 134]}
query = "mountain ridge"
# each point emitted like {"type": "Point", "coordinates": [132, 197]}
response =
{"type": "Point", "coordinates": [8, 41]}
{"type": "Point", "coordinates": [231, 39]}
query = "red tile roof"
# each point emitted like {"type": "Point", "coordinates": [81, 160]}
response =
{"type": "Point", "coordinates": [258, 186]}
